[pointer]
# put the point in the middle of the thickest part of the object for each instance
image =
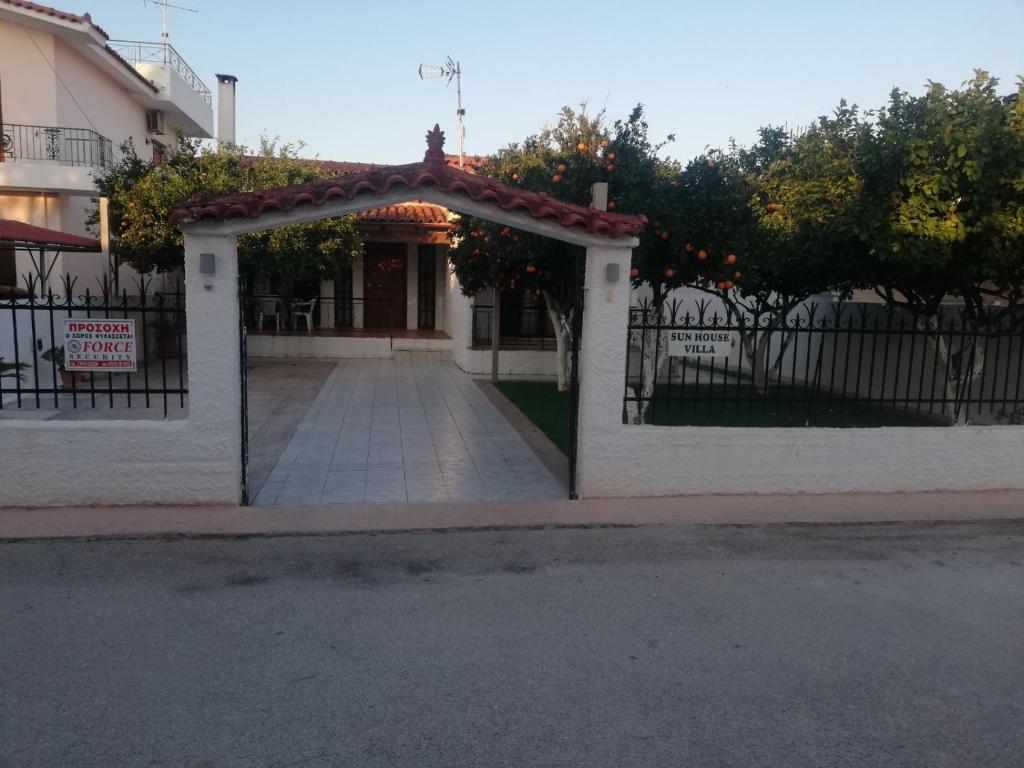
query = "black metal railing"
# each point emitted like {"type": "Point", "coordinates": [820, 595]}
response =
{"type": "Point", "coordinates": [274, 313]}
{"type": "Point", "coordinates": [825, 364]}
{"type": "Point", "coordinates": [35, 372]}
{"type": "Point", "coordinates": [162, 54]}
{"type": "Point", "coordinates": [58, 145]}
{"type": "Point", "coordinates": [520, 327]}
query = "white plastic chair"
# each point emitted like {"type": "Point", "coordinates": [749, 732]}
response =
{"type": "Point", "coordinates": [268, 306]}
{"type": "Point", "coordinates": [304, 310]}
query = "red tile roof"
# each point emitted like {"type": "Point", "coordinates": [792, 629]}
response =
{"type": "Point", "coordinates": [433, 172]}
{"type": "Point", "coordinates": [408, 213]}
{"type": "Point", "coordinates": [20, 233]}
{"type": "Point", "coordinates": [85, 20]}
{"type": "Point", "coordinates": [46, 10]}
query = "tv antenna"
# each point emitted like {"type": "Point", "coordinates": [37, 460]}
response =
{"type": "Point", "coordinates": [164, 6]}
{"type": "Point", "coordinates": [453, 71]}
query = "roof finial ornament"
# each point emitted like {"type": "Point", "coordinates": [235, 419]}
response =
{"type": "Point", "coordinates": [435, 145]}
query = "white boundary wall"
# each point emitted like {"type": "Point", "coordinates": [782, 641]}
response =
{"type": "Point", "coordinates": [635, 460]}
{"type": "Point", "coordinates": [189, 461]}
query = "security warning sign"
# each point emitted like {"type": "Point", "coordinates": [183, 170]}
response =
{"type": "Point", "coordinates": [99, 345]}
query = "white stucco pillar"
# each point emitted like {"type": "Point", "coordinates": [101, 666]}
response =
{"type": "Point", "coordinates": [357, 290]}
{"type": "Point", "coordinates": [602, 353]}
{"type": "Point", "coordinates": [412, 286]}
{"type": "Point", "coordinates": [212, 333]}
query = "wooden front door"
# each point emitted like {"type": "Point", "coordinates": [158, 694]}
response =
{"type": "Point", "coordinates": [384, 285]}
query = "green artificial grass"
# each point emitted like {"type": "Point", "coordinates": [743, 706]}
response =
{"type": "Point", "coordinates": [542, 404]}
{"type": "Point", "coordinates": [735, 406]}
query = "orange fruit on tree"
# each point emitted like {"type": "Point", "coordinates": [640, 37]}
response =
{"type": "Point", "coordinates": [605, 143]}
{"type": "Point", "coordinates": [515, 177]}
{"type": "Point", "coordinates": [730, 259]}
{"type": "Point", "coordinates": [610, 156]}
{"type": "Point", "coordinates": [561, 167]}
{"type": "Point", "coordinates": [670, 273]}
{"type": "Point", "coordinates": [634, 272]}
{"type": "Point", "coordinates": [611, 205]}
{"type": "Point", "coordinates": [737, 274]}
{"type": "Point", "coordinates": [531, 268]}
{"type": "Point", "coordinates": [702, 254]}
{"type": "Point", "coordinates": [720, 285]}
{"type": "Point", "coordinates": [664, 235]}
{"type": "Point", "coordinates": [728, 284]}
{"type": "Point", "coordinates": [581, 146]}
{"type": "Point", "coordinates": [610, 167]}
{"type": "Point", "coordinates": [688, 247]}
{"type": "Point", "coordinates": [556, 178]}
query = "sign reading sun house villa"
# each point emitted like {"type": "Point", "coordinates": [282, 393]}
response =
{"type": "Point", "coordinates": [701, 343]}
{"type": "Point", "coordinates": [100, 345]}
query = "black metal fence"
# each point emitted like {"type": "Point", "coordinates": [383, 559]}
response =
{"type": "Point", "coordinates": [520, 327]}
{"type": "Point", "coordinates": [35, 372]}
{"type": "Point", "coordinates": [824, 364]}
{"type": "Point", "coordinates": [55, 144]}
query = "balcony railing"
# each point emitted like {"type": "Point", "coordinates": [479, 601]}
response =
{"type": "Point", "coordinates": [52, 144]}
{"type": "Point", "coordinates": [164, 55]}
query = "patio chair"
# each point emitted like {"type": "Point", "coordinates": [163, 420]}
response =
{"type": "Point", "coordinates": [268, 306]}
{"type": "Point", "coordinates": [303, 310]}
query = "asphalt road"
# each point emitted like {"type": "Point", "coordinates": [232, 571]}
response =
{"type": "Point", "coordinates": [785, 646]}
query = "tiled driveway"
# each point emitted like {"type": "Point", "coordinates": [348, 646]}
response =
{"type": "Point", "coordinates": [405, 430]}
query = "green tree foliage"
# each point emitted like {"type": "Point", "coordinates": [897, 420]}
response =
{"type": "Point", "coordinates": [943, 198]}
{"type": "Point", "coordinates": [563, 161]}
{"type": "Point", "coordinates": [142, 197]}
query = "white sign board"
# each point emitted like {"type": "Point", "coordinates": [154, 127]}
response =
{"type": "Point", "coordinates": [701, 343]}
{"type": "Point", "coordinates": [98, 344]}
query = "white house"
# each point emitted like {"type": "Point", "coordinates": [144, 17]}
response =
{"type": "Point", "coordinates": [70, 95]}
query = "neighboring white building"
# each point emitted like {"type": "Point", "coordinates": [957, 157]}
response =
{"type": "Point", "coordinates": [69, 97]}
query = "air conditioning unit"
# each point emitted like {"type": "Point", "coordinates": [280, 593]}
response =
{"type": "Point", "coordinates": [154, 121]}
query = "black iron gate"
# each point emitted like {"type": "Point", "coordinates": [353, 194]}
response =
{"type": "Point", "coordinates": [574, 376]}
{"type": "Point", "coordinates": [243, 377]}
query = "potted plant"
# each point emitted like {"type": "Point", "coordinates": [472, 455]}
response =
{"type": "Point", "coordinates": [68, 379]}
{"type": "Point", "coordinates": [12, 370]}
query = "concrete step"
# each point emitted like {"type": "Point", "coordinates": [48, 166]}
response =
{"type": "Point", "coordinates": [422, 354]}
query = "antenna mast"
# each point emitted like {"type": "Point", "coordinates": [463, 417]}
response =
{"type": "Point", "coordinates": [164, 37]}
{"type": "Point", "coordinates": [453, 71]}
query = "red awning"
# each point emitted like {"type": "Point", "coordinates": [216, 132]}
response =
{"type": "Point", "coordinates": [18, 233]}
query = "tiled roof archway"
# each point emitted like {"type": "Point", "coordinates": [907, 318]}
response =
{"type": "Point", "coordinates": [432, 180]}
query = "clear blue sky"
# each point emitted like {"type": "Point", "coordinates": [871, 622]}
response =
{"type": "Point", "coordinates": [341, 75]}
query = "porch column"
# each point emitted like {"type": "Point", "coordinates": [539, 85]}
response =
{"type": "Point", "coordinates": [602, 353]}
{"type": "Point", "coordinates": [214, 381]}
{"type": "Point", "coordinates": [357, 290]}
{"type": "Point", "coordinates": [412, 286]}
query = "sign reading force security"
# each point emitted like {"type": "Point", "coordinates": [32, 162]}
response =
{"type": "Point", "coordinates": [701, 343]}
{"type": "Point", "coordinates": [99, 345]}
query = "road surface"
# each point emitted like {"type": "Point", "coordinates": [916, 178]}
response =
{"type": "Point", "coordinates": [856, 646]}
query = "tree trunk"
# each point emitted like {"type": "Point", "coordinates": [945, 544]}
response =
{"type": "Point", "coordinates": [652, 362]}
{"type": "Point", "coordinates": [561, 321]}
{"type": "Point", "coordinates": [961, 374]}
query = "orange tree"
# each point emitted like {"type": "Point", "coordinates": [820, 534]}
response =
{"type": "Point", "coordinates": [763, 229]}
{"type": "Point", "coordinates": [563, 161]}
{"type": "Point", "coordinates": [943, 216]}
{"type": "Point", "coordinates": [142, 196]}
